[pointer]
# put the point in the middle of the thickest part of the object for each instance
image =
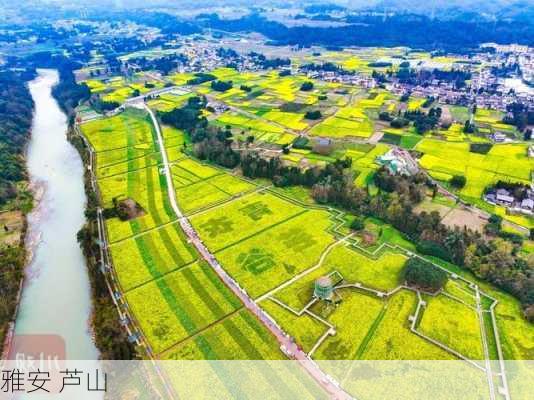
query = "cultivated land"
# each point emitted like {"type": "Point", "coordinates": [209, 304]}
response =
{"type": "Point", "coordinates": [182, 308]}
{"type": "Point", "coordinates": [276, 242]}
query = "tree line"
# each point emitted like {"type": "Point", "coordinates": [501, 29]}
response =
{"type": "Point", "coordinates": [16, 111]}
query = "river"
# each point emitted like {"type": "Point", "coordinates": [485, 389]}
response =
{"type": "Point", "coordinates": [56, 295]}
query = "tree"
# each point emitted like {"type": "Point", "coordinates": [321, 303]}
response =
{"type": "Point", "coordinates": [357, 224]}
{"type": "Point", "coordinates": [458, 181]}
{"type": "Point", "coordinates": [313, 115]}
{"type": "Point", "coordinates": [307, 86]}
{"type": "Point", "coordinates": [221, 86]}
{"type": "Point", "coordinates": [399, 123]}
{"type": "Point", "coordinates": [423, 275]}
{"type": "Point", "coordinates": [469, 127]}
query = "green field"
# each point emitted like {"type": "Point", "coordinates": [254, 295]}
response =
{"type": "Point", "coordinates": [305, 329]}
{"type": "Point", "coordinates": [354, 331]}
{"type": "Point", "coordinates": [242, 218]}
{"type": "Point", "coordinates": [507, 162]}
{"type": "Point", "coordinates": [453, 324]}
{"type": "Point", "coordinates": [151, 255]}
{"type": "Point", "coordinates": [393, 340]}
{"type": "Point", "coordinates": [381, 274]}
{"type": "Point", "coordinates": [124, 131]}
{"type": "Point", "coordinates": [267, 259]}
{"type": "Point", "coordinates": [180, 304]}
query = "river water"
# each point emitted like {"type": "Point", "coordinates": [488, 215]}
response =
{"type": "Point", "coordinates": [56, 295]}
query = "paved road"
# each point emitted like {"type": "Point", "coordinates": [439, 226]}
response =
{"type": "Point", "coordinates": [487, 361]}
{"type": "Point", "coordinates": [291, 349]}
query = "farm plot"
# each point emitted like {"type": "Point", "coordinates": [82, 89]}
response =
{"type": "Point", "coordinates": [269, 379]}
{"type": "Point", "coordinates": [367, 157]}
{"type": "Point", "coordinates": [245, 123]}
{"type": "Point", "coordinates": [145, 186]}
{"type": "Point", "coordinates": [241, 218]}
{"type": "Point", "coordinates": [203, 171]}
{"type": "Point", "coordinates": [453, 324]}
{"type": "Point", "coordinates": [108, 158]}
{"type": "Point", "coordinates": [180, 79]}
{"type": "Point", "coordinates": [238, 336]}
{"type": "Point", "coordinates": [285, 89]}
{"type": "Point", "coordinates": [415, 104]}
{"type": "Point", "coordinates": [304, 328]}
{"type": "Point", "coordinates": [194, 193]}
{"type": "Point", "coordinates": [172, 308]}
{"type": "Point", "coordinates": [460, 114]}
{"type": "Point", "coordinates": [168, 101]}
{"type": "Point", "coordinates": [460, 291]}
{"type": "Point", "coordinates": [133, 163]}
{"type": "Point", "coordinates": [273, 256]}
{"type": "Point", "coordinates": [96, 86]}
{"type": "Point", "coordinates": [199, 195]}
{"type": "Point", "coordinates": [355, 320]}
{"type": "Point", "coordinates": [128, 129]}
{"type": "Point", "coordinates": [508, 162]}
{"type": "Point", "coordinates": [350, 121]}
{"type": "Point", "coordinates": [517, 334]}
{"type": "Point", "coordinates": [393, 340]}
{"type": "Point", "coordinates": [150, 255]}
{"type": "Point", "coordinates": [400, 137]}
{"type": "Point", "coordinates": [187, 171]}
{"type": "Point", "coordinates": [454, 133]}
{"type": "Point", "coordinates": [119, 95]}
{"type": "Point", "coordinates": [182, 177]}
{"type": "Point", "coordinates": [381, 274]}
{"type": "Point", "coordinates": [339, 128]}
{"type": "Point", "coordinates": [289, 120]}
{"type": "Point", "coordinates": [175, 143]}
{"type": "Point", "coordinates": [231, 184]}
